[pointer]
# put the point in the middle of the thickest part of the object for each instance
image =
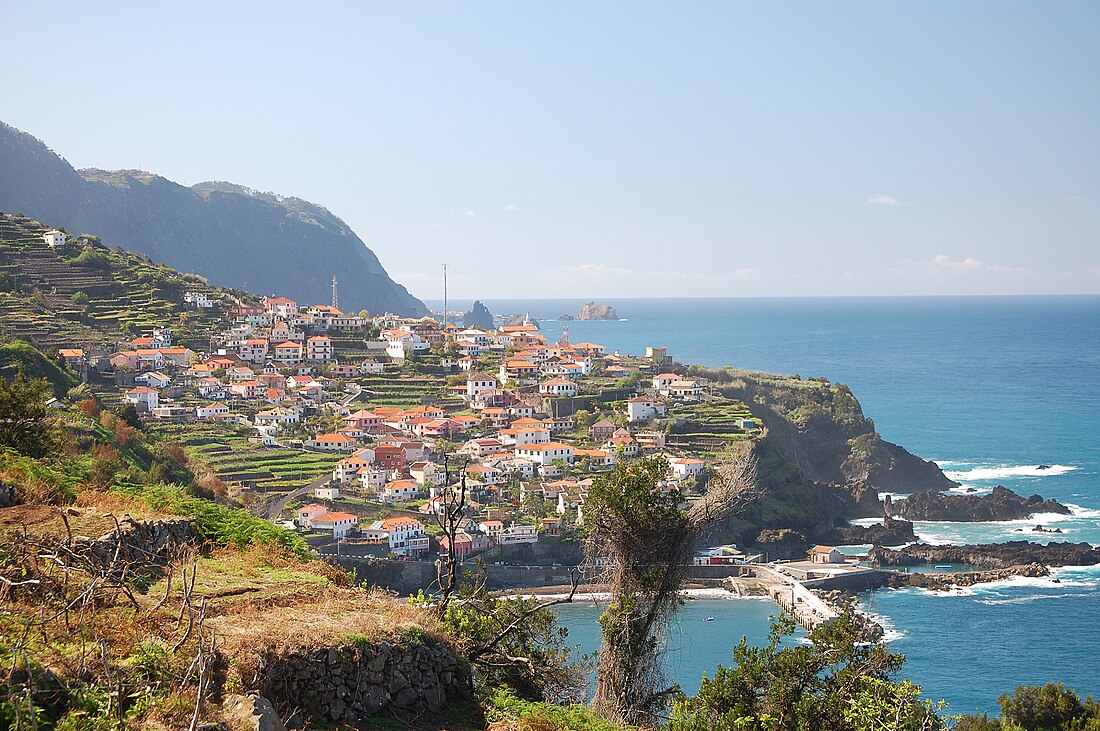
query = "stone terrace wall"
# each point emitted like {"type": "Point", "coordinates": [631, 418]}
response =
{"type": "Point", "coordinates": [353, 682]}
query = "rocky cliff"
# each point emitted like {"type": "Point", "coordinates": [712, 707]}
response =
{"type": "Point", "coordinates": [820, 428]}
{"type": "Point", "coordinates": [233, 236]}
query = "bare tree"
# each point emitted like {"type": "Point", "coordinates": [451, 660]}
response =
{"type": "Point", "coordinates": [642, 540]}
{"type": "Point", "coordinates": [509, 640]}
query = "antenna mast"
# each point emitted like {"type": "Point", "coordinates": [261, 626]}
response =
{"type": "Point", "coordinates": [335, 294]}
{"type": "Point", "coordinates": [444, 299]}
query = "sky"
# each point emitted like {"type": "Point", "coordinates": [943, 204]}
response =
{"type": "Point", "coordinates": [611, 149]}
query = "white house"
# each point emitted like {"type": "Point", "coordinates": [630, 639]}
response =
{"type": "Point", "coordinates": [211, 410]}
{"type": "Point", "coordinates": [544, 454]}
{"type": "Point", "coordinates": [200, 300]}
{"type": "Point", "coordinates": [685, 468]}
{"type": "Point", "coordinates": [339, 523]}
{"type": "Point", "coordinates": [143, 398]}
{"type": "Point", "coordinates": [253, 350]}
{"type": "Point", "coordinates": [826, 554]}
{"type": "Point", "coordinates": [559, 386]}
{"type": "Point", "coordinates": [55, 238]}
{"type": "Point", "coordinates": [399, 490]}
{"type": "Point", "coordinates": [402, 343]}
{"type": "Point", "coordinates": [641, 408]}
{"type": "Point", "coordinates": [278, 416]}
{"type": "Point", "coordinates": [406, 536]}
{"type": "Point", "coordinates": [319, 349]}
{"type": "Point", "coordinates": [327, 492]}
{"type": "Point", "coordinates": [152, 379]}
{"type": "Point", "coordinates": [331, 443]}
{"type": "Point", "coordinates": [685, 389]}
{"type": "Point", "coordinates": [664, 380]}
{"type": "Point", "coordinates": [287, 352]}
{"type": "Point", "coordinates": [521, 435]}
{"type": "Point", "coordinates": [518, 534]}
{"type": "Point", "coordinates": [478, 382]}
{"type": "Point", "coordinates": [307, 513]}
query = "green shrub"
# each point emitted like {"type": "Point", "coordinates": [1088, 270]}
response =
{"type": "Point", "coordinates": [217, 523]}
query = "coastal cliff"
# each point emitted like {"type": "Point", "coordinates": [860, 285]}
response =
{"type": "Point", "coordinates": [822, 462]}
{"type": "Point", "coordinates": [820, 427]}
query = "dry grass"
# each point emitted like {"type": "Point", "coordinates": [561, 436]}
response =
{"type": "Point", "coordinates": [91, 516]}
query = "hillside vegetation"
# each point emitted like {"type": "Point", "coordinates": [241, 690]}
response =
{"type": "Point", "coordinates": [88, 295]}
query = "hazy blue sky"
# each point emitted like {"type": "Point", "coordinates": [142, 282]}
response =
{"type": "Point", "coordinates": [609, 149]}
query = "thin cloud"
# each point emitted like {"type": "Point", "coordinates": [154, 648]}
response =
{"type": "Point", "coordinates": [508, 207]}
{"type": "Point", "coordinates": [881, 199]}
{"type": "Point", "coordinates": [944, 263]}
{"type": "Point", "coordinates": [470, 213]}
{"type": "Point", "coordinates": [1074, 198]}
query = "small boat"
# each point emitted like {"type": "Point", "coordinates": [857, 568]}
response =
{"type": "Point", "coordinates": [943, 565]}
{"type": "Point", "coordinates": [708, 619]}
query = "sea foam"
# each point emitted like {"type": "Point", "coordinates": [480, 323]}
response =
{"type": "Point", "coordinates": [1001, 472]}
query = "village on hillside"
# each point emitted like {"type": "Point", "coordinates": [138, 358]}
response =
{"type": "Point", "coordinates": [352, 428]}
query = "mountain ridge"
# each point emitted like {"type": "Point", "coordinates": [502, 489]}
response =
{"type": "Point", "coordinates": [233, 235]}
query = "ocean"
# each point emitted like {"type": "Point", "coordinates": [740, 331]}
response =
{"type": "Point", "coordinates": [991, 388]}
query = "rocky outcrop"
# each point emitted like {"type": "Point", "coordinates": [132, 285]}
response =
{"type": "Point", "coordinates": [353, 682]}
{"type": "Point", "coordinates": [890, 532]}
{"type": "Point", "coordinates": [478, 316]}
{"type": "Point", "coordinates": [593, 311]}
{"type": "Point", "coordinates": [781, 544]}
{"type": "Point", "coordinates": [1001, 504]}
{"type": "Point", "coordinates": [989, 556]}
{"type": "Point", "coordinates": [946, 582]}
{"type": "Point", "coordinates": [8, 495]}
{"type": "Point", "coordinates": [820, 428]}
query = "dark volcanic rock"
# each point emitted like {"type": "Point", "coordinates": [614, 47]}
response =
{"type": "Point", "coordinates": [944, 582]}
{"type": "Point", "coordinates": [891, 532]}
{"type": "Point", "coordinates": [1001, 504]}
{"type": "Point", "coordinates": [478, 316]}
{"type": "Point", "coordinates": [593, 311]}
{"type": "Point", "coordinates": [989, 556]}
{"type": "Point", "coordinates": [781, 544]}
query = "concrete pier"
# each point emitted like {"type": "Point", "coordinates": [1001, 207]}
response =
{"type": "Point", "coordinates": [790, 586]}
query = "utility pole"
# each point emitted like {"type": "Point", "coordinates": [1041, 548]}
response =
{"type": "Point", "coordinates": [444, 299]}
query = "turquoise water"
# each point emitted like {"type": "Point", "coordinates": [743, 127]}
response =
{"type": "Point", "coordinates": [695, 646]}
{"type": "Point", "coordinates": [989, 387]}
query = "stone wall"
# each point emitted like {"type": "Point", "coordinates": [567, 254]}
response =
{"type": "Point", "coordinates": [143, 542]}
{"type": "Point", "coordinates": [8, 495]}
{"type": "Point", "coordinates": [356, 681]}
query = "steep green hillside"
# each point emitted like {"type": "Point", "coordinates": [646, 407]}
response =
{"type": "Point", "coordinates": [86, 295]}
{"type": "Point", "coordinates": [234, 236]}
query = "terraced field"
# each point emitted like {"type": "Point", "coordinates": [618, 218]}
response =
{"type": "Point", "coordinates": [226, 450]}
{"type": "Point", "coordinates": [124, 291]}
{"type": "Point", "coordinates": [406, 392]}
{"type": "Point", "coordinates": [707, 428]}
